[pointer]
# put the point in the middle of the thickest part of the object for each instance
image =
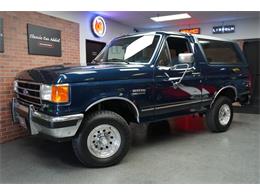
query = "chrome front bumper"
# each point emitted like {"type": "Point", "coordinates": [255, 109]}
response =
{"type": "Point", "coordinates": [37, 122]}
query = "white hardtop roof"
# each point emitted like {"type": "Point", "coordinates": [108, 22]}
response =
{"type": "Point", "coordinates": [179, 33]}
{"type": "Point", "coordinates": [210, 37]}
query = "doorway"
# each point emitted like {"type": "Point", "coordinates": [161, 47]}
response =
{"type": "Point", "coordinates": [92, 49]}
{"type": "Point", "coordinates": [251, 50]}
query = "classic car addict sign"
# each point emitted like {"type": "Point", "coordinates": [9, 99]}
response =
{"type": "Point", "coordinates": [43, 41]}
{"type": "Point", "coordinates": [1, 36]}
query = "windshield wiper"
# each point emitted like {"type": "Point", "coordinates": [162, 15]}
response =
{"type": "Point", "coordinates": [118, 60]}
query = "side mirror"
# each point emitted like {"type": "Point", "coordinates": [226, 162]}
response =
{"type": "Point", "coordinates": [186, 58]}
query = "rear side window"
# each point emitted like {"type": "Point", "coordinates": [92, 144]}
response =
{"type": "Point", "coordinates": [220, 52]}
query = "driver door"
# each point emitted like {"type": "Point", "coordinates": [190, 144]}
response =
{"type": "Point", "coordinates": [176, 93]}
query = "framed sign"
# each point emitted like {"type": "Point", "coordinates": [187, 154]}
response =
{"type": "Point", "coordinates": [190, 30]}
{"type": "Point", "coordinates": [99, 26]}
{"type": "Point", "coordinates": [43, 41]}
{"type": "Point", "coordinates": [1, 35]}
{"type": "Point", "coordinates": [223, 29]}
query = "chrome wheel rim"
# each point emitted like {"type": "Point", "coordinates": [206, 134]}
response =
{"type": "Point", "coordinates": [104, 141]}
{"type": "Point", "coordinates": [224, 114]}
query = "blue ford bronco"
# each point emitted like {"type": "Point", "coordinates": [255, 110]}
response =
{"type": "Point", "coordinates": [136, 78]}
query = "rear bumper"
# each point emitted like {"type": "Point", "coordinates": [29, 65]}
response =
{"type": "Point", "coordinates": [39, 123]}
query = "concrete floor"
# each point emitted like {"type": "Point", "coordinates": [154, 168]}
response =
{"type": "Point", "coordinates": [155, 157]}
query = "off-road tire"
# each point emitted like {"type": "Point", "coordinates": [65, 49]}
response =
{"type": "Point", "coordinates": [79, 142]}
{"type": "Point", "coordinates": [212, 117]}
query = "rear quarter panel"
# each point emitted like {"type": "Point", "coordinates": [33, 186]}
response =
{"type": "Point", "coordinates": [218, 76]}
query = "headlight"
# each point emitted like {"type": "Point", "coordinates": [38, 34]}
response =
{"type": "Point", "coordinates": [15, 86]}
{"type": "Point", "coordinates": [55, 93]}
{"type": "Point", "coordinates": [46, 92]}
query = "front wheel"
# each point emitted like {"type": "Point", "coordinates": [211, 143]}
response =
{"type": "Point", "coordinates": [103, 139]}
{"type": "Point", "coordinates": [220, 115]}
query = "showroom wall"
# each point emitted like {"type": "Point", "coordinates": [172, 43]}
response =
{"type": "Point", "coordinates": [16, 58]}
{"type": "Point", "coordinates": [114, 29]}
{"type": "Point", "coordinates": [244, 28]}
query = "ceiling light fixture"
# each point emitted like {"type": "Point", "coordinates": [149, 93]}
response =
{"type": "Point", "coordinates": [171, 17]}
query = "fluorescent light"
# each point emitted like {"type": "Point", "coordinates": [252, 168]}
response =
{"type": "Point", "coordinates": [171, 17]}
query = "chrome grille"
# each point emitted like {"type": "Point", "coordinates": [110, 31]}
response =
{"type": "Point", "coordinates": [28, 93]}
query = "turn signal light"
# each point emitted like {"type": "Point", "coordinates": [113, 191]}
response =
{"type": "Point", "coordinates": [60, 93]}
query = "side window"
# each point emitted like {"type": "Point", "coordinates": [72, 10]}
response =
{"type": "Point", "coordinates": [220, 52]}
{"type": "Point", "coordinates": [164, 58]}
{"type": "Point", "coordinates": [177, 45]}
{"type": "Point", "coordinates": [173, 47]}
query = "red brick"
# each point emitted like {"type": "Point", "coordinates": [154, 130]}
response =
{"type": "Point", "coordinates": [16, 58]}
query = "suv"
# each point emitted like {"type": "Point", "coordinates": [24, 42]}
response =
{"type": "Point", "coordinates": [136, 78]}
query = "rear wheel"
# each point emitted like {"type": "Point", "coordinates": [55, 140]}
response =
{"type": "Point", "coordinates": [220, 115]}
{"type": "Point", "coordinates": [103, 140]}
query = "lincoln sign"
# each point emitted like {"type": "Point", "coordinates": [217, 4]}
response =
{"type": "Point", "coordinates": [223, 29]}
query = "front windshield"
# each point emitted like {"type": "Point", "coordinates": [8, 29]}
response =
{"type": "Point", "coordinates": [132, 49]}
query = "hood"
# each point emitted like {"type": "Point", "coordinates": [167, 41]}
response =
{"type": "Point", "coordinates": [73, 74]}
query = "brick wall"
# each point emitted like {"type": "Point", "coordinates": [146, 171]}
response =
{"type": "Point", "coordinates": [15, 58]}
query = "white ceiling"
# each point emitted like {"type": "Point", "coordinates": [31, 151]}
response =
{"type": "Point", "coordinates": [141, 20]}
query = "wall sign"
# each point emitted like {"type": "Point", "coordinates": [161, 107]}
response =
{"type": "Point", "coordinates": [1, 35]}
{"type": "Point", "coordinates": [223, 29]}
{"type": "Point", "coordinates": [99, 26]}
{"type": "Point", "coordinates": [190, 30]}
{"type": "Point", "coordinates": [43, 41]}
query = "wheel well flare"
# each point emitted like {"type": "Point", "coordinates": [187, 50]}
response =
{"type": "Point", "coordinates": [122, 106]}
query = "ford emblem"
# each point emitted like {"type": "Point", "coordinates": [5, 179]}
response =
{"type": "Point", "coordinates": [25, 92]}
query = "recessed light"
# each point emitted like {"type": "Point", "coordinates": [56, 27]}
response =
{"type": "Point", "coordinates": [171, 17]}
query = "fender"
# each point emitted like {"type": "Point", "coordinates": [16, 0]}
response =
{"type": "Point", "coordinates": [116, 98]}
{"type": "Point", "coordinates": [220, 90]}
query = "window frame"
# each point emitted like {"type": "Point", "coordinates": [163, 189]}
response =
{"type": "Point", "coordinates": [237, 52]}
{"type": "Point", "coordinates": [191, 48]}
{"type": "Point", "coordinates": [164, 46]}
